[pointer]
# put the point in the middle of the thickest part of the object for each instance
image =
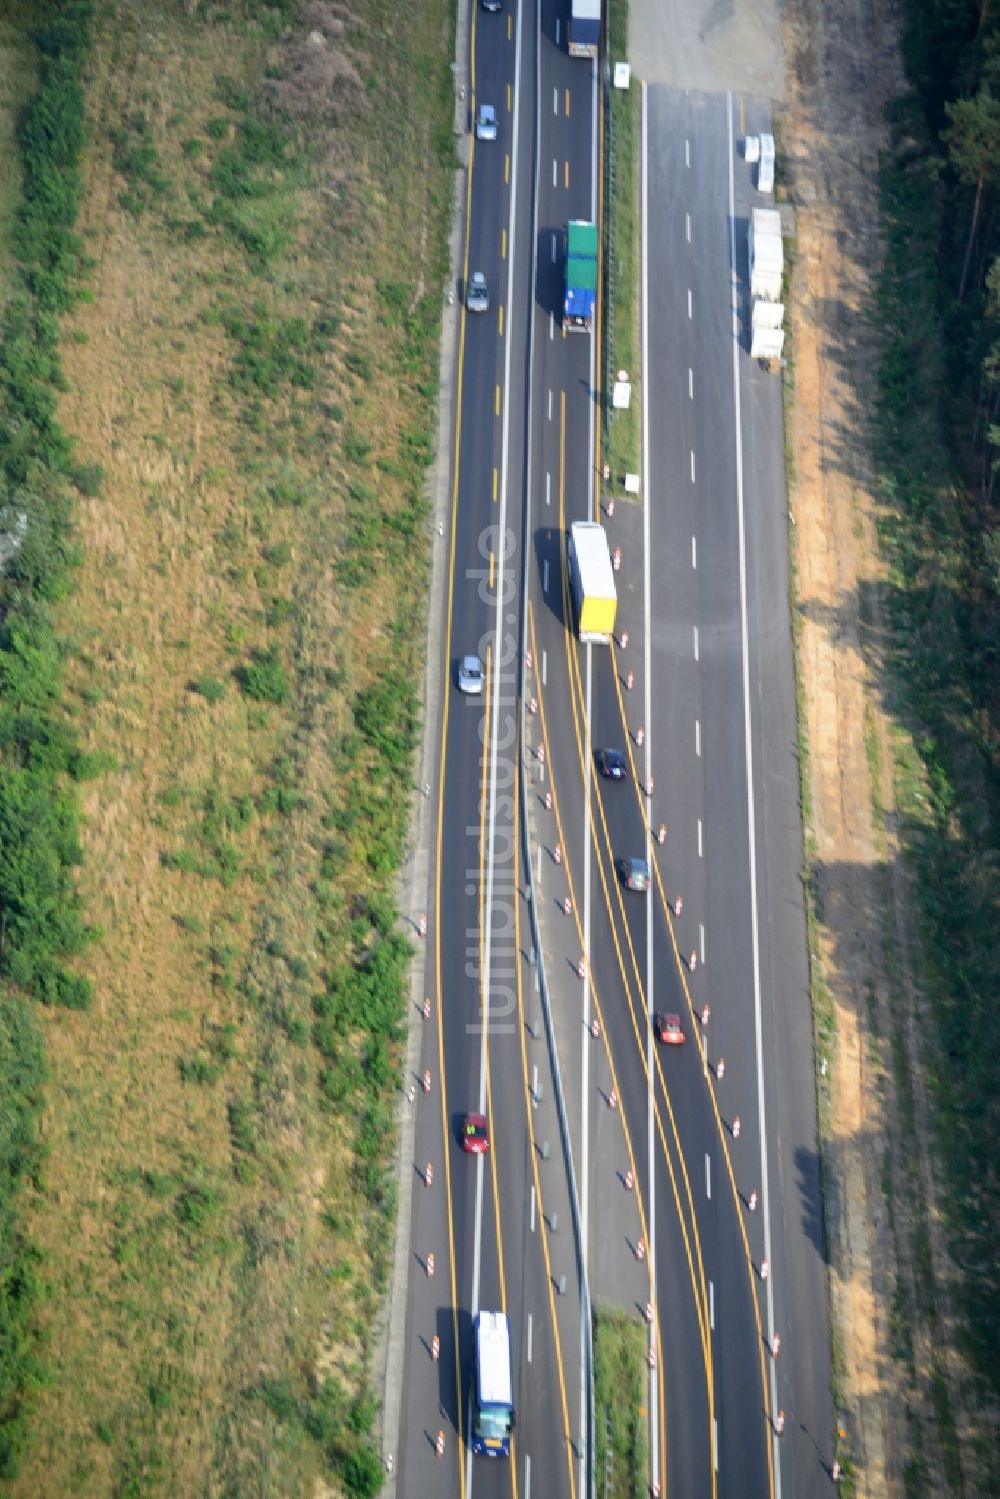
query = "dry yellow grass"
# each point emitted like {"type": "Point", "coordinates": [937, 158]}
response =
{"type": "Point", "coordinates": [182, 1269]}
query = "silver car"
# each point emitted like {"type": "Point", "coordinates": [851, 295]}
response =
{"type": "Point", "coordinates": [486, 123]}
{"type": "Point", "coordinates": [470, 676]}
{"type": "Point", "coordinates": [634, 873]}
{"type": "Point", "coordinates": [477, 296]}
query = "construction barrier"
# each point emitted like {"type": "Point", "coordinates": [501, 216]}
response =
{"type": "Point", "coordinates": [693, 960]}
{"type": "Point", "coordinates": [616, 559]}
{"type": "Point", "coordinates": [720, 1068]}
{"type": "Point", "coordinates": [640, 736]}
{"type": "Point", "coordinates": [706, 1012]}
{"type": "Point", "coordinates": [629, 680]}
{"type": "Point", "coordinates": [422, 927]}
{"type": "Point", "coordinates": [427, 1008]}
{"type": "Point", "coordinates": [765, 1269]}
{"type": "Point", "coordinates": [427, 1079]}
{"type": "Point", "coordinates": [661, 833]}
{"type": "Point", "coordinates": [640, 1250]}
{"type": "Point", "coordinates": [752, 1200]}
{"type": "Point", "coordinates": [629, 1181]}
{"type": "Point", "coordinates": [623, 642]}
{"type": "Point", "coordinates": [567, 906]}
{"type": "Point", "coordinates": [430, 1266]}
{"type": "Point", "coordinates": [737, 1126]}
{"type": "Point", "coordinates": [428, 1175]}
{"type": "Point", "coordinates": [776, 1345]}
{"type": "Point", "coordinates": [439, 1444]}
{"type": "Point", "coordinates": [678, 904]}
{"type": "Point", "coordinates": [435, 1347]}
{"type": "Point", "coordinates": [613, 1099]}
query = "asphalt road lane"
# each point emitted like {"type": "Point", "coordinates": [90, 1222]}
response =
{"type": "Point", "coordinates": [701, 749]}
{"type": "Point", "coordinates": [498, 1259]}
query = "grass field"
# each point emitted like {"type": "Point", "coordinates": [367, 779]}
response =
{"type": "Point", "coordinates": [623, 227]}
{"type": "Point", "coordinates": [17, 76]}
{"type": "Point", "coordinates": [621, 1461]}
{"type": "Point", "coordinates": [251, 381]}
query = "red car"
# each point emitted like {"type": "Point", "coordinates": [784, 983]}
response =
{"type": "Point", "coordinates": [669, 1030]}
{"type": "Point", "coordinates": [475, 1134]}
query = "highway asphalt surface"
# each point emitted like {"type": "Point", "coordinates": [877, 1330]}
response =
{"type": "Point", "coordinates": [721, 1156]}
{"type": "Point", "coordinates": [487, 1220]}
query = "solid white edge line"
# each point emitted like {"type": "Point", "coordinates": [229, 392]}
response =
{"type": "Point", "coordinates": [751, 820]}
{"type": "Point", "coordinates": [654, 1376]}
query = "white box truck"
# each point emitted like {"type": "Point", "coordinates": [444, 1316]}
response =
{"type": "Point", "coordinates": [593, 582]}
{"type": "Point", "coordinates": [767, 338]}
{"type": "Point", "coordinates": [765, 168]}
{"type": "Point", "coordinates": [767, 257]}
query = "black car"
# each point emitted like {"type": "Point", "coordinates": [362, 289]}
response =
{"type": "Point", "coordinates": [612, 764]}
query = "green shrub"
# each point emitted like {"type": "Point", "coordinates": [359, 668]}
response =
{"type": "Point", "coordinates": [212, 689]}
{"type": "Point", "coordinates": [264, 678]}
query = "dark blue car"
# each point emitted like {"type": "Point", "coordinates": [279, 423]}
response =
{"type": "Point", "coordinates": [612, 764]}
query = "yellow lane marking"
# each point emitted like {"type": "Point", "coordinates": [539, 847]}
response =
{"type": "Point", "coordinates": [566, 173]}
{"type": "Point", "coordinates": [576, 703]}
{"type": "Point", "coordinates": [503, 244]}
{"type": "Point", "coordinates": [442, 759]}
{"type": "Point", "coordinates": [510, 98]}
{"type": "Point", "coordinates": [484, 1003]}
{"type": "Point", "coordinates": [567, 103]}
{"type": "Point", "coordinates": [496, 402]}
{"type": "Point", "coordinates": [496, 482]}
{"type": "Point", "coordinates": [500, 320]}
{"type": "Point", "coordinates": [506, 167]}
{"type": "Point", "coordinates": [510, 27]}
{"type": "Point", "coordinates": [720, 1128]}
{"type": "Point", "coordinates": [743, 121]}
{"type": "Point", "coordinates": [543, 1225]}
{"type": "Point", "coordinates": [493, 565]}
{"type": "Point", "coordinates": [701, 1307]}
{"type": "Point", "coordinates": [599, 1013]}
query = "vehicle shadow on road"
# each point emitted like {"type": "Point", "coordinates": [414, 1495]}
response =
{"type": "Point", "coordinates": [548, 549]}
{"type": "Point", "coordinates": [808, 1181]}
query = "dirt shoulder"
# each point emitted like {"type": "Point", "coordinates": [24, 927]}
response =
{"type": "Point", "coordinates": [898, 1379]}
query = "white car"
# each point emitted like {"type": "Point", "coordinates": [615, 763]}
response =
{"type": "Point", "coordinates": [477, 297]}
{"type": "Point", "coordinates": [486, 123]}
{"type": "Point", "coordinates": [470, 676]}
